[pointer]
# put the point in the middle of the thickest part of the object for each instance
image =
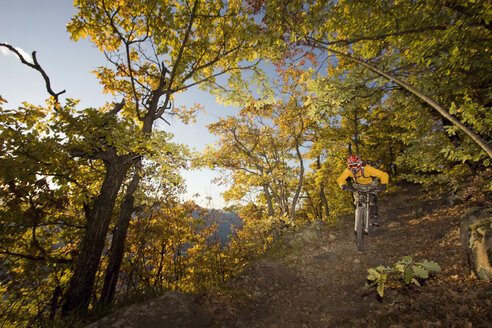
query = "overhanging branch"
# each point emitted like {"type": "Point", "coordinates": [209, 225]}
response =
{"type": "Point", "coordinates": [36, 258]}
{"type": "Point", "coordinates": [35, 65]}
{"type": "Point", "coordinates": [411, 89]}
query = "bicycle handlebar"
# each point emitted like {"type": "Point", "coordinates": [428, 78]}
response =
{"type": "Point", "coordinates": [359, 189]}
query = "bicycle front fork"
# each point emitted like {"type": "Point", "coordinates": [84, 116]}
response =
{"type": "Point", "coordinates": [366, 219]}
{"type": "Point", "coordinates": [362, 213]}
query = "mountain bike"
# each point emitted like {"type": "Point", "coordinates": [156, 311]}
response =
{"type": "Point", "coordinates": [363, 211]}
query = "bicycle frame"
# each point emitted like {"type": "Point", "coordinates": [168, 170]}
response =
{"type": "Point", "coordinates": [362, 212]}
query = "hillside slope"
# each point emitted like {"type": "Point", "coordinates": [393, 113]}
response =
{"type": "Point", "coordinates": [319, 280]}
{"type": "Point", "coordinates": [321, 284]}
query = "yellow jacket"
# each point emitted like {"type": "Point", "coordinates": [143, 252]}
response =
{"type": "Point", "coordinates": [369, 173]}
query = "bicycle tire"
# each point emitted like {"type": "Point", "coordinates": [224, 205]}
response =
{"type": "Point", "coordinates": [367, 219]}
{"type": "Point", "coordinates": [359, 228]}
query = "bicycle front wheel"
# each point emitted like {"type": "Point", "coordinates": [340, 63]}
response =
{"type": "Point", "coordinates": [359, 228]}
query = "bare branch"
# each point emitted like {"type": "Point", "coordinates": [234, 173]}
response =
{"type": "Point", "coordinates": [35, 65]}
{"type": "Point", "coordinates": [117, 108]}
{"type": "Point", "coordinates": [216, 75]}
{"type": "Point", "coordinates": [36, 258]}
{"type": "Point", "coordinates": [172, 76]}
{"type": "Point", "coordinates": [379, 37]}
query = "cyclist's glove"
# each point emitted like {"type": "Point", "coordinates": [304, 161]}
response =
{"type": "Point", "coordinates": [347, 187]}
{"type": "Point", "coordinates": [383, 187]}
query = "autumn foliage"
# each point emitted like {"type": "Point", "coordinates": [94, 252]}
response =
{"type": "Point", "coordinates": [90, 210]}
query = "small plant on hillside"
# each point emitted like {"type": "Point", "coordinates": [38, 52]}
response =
{"type": "Point", "coordinates": [405, 271]}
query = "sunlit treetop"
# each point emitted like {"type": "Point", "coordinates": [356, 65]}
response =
{"type": "Point", "coordinates": [158, 48]}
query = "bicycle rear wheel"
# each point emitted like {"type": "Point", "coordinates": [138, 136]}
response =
{"type": "Point", "coordinates": [359, 228]}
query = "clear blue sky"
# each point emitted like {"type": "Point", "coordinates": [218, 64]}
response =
{"type": "Point", "coordinates": [39, 25]}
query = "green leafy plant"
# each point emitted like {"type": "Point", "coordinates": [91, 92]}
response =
{"type": "Point", "coordinates": [404, 271]}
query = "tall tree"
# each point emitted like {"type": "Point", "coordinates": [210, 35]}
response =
{"type": "Point", "coordinates": [253, 154]}
{"type": "Point", "coordinates": [42, 141]}
{"type": "Point", "coordinates": [156, 49]}
{"type": "Point", "coordinates": [263, 146]}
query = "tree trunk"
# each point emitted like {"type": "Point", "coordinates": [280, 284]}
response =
{"type": "Point", "coordinates": [118, 242]}
{"type": "Point", "coordinates": [324, 202]}
{"type": "Point", "coordinates": [269, 200]}
{"type": "Point", "coordinates": [317, 213]}
{"type": "Point", "coordinates": [356, 132]}
{"type": "Point", "coordinates": [159, 280]}
{"type": "Point", "coordinates": [279, 200]}
{"type": "Point", "coordinates": [98, 217]}
{"type": "Point", "coordinates": [299, 183]}
{"type": "Point", "coordinates": [127, 207]}
{"type": "Point", "coordinates": [54, 301]}
{"type": "Point", "coordinates": [119, 238]}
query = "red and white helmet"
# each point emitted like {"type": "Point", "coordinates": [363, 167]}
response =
{"type": "Point", "coordinates": [355, 163]}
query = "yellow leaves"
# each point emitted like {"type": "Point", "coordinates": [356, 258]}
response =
{"type": "Point", "coordinates": [2, 101]}
{"type": "Point", "coordinates": [134, 55]}
{"type": "Point", "coordinates": [76, 31]}
{"type": "Point", "coordinates": [162, 26]}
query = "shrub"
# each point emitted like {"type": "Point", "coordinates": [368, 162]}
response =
{"type": "Point", "coordinates": [405, 271]}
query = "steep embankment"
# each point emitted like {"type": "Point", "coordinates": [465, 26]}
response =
{"type": "Point", "coordinates": [319, 283]}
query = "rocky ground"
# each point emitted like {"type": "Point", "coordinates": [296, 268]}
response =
{"type": "Point", "coordinates": [319, 282]}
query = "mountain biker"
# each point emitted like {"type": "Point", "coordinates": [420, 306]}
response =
{"type": "Point", "coordinates": [366, 175]}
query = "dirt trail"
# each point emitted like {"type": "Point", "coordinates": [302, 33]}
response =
{"type": "Point", "coordinates": [321, 284]}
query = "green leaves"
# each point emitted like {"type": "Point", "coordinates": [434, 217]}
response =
{"type": "Point", "coordinates": [377, 277]}
{"type": "Point", "coordinates": [432, 47]}
{"type": "Point", "coordinates": [405, 270]}
{"type": "Point", "coordinates": [429, 265]}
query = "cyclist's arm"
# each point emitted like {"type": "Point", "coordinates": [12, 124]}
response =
{"type": "Point", "coordinates": [341, 179]}
{"type": "Point", "coordinates": [374, 172]}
